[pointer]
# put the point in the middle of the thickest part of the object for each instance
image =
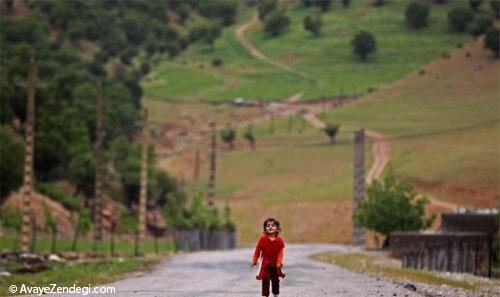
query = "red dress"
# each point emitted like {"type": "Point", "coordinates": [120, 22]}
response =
{"type": "Point", "coordinates": [272, 256]}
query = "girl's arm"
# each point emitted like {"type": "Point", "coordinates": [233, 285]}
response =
{"type": "Point", "coordinates": [279, 262]}
{"type": "Point", "coordinates": [256, 254]}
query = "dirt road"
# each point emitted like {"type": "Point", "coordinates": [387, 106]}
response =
{"type": "Point", "coordinates": [227, 273]}
{"type": "Point", "coordinates": [240, 36]}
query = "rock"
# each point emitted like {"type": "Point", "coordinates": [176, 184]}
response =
{"type": "Point", "coordinates": [409, 286]}
{"type": "Point", "coordinates": [55, 258]}
{"type": "Point", "coordinates": [4, 273]}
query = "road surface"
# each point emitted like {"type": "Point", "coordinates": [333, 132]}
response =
{"type": "Point", "coordinates": [228, 273]}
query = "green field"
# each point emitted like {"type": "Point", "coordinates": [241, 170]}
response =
{"type": "Point", "coordinates": [328, 58]}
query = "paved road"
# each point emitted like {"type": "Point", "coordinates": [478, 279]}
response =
{"type": "Point", "coordinates": [229, 274]}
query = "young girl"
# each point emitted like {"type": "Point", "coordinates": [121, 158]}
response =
{"type": "Point", "coordinates": [270, 249]}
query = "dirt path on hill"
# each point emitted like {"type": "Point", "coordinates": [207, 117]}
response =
{"type": "Point", "coordinates": [240, 36]}
{"type": "Point", "coordinates": [381, 151]}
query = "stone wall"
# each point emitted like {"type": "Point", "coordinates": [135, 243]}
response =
{"type": "Point", "coordinates": [451, 251]}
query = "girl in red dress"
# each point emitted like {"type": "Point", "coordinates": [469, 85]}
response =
{"type": "Point", "coordinates": [270, 249]}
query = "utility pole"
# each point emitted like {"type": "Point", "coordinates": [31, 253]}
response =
{"type": "Point", "coordinates": [27, 189]}
{"type": "Point", "coordinates": [143, 191]}
{"type": "Point", "coordinates": [98, 170]}
{"type": "Point", "coordinates": [196, 173]}
{"type": "Point", "coordinates": [213, 159]}
{"type": "Point", "coordinates": [358, 233]}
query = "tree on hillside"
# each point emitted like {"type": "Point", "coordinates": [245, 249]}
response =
{"type": "Point", "coordinates": [50, 224]}
{"type": "Point", "coordinates": [206, 33]}
{"type": "Point", "coordinates": [495, 6]}
{"type": "Point", "coordinates": [276, 22]}
{"type": "Point", "coordinates": [480, 24]}
{"type": "Point", "coordinates": [459, 18]}
{"type": "Point", "coordinates": [331, 130]}
{"type": "Point", "coordinates": [364, 44]}
{"type": "Point", "coordinates": [228, 135]}
{"type": "Point", "coordinates": [81, 225]}
{"type": "Point", "coordinates": [492, 41]}
{"type": "Point", "coordinates": [474, 4]}
{"type": "Point", "coordinates": [11, 161]}
{"type": "Point", "coordinates": [392, 206]}
{"type": "Point", "coordinates": [346, 3]}
{"type": "Point", "coordinates": [323, 4]}
{"type": "Point", "coordinates": [312, 23]}
{"type": "Point", "coordinates": [265, 7]}
{"type": "Point", "coordinates": [250, 137]}
{"type": "Point", "coordinates": [417, 14]}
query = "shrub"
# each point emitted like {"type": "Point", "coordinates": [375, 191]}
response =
{"type": "Point", "coordinates": [363, 44]}
{"type": "Point", "coordinates": [217, 62]}
{"type": "Point", "coordinates": [474, 4]}
{"type": "Point", "coordinates": [331, 130]}
{"type": "Point", "coordinates": [312, 23]}
{"type": "Point", "coordinates": [459, 18]}
{"type": "Point", "coordinates": [492, 40]}
{"type": "Point", "coordinates": [495, 6]}
{"type": "Point", "coordinates": [53, 191]}
{"type": "Point", "coordinates": [265, 7]}
{"type": "Point", "coordinates": [228, 135]}
{"type": "Point", "coordinates": [276, 22]}
{"type": "Point", "coordinates": [416, 14]}
{"type": "Point", "coordinates": [480, 25]}
{"type": "Point", "coordinates": [392, 206]}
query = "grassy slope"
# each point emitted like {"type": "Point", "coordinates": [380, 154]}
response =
{"type": "Point", "coordinates": [328, 57]}
{"type": "Point", "coordinates": [310, 185]}
{"type": "Point", "coordinates": [297, 177]}
{"type": "Point", "coordinates": [460, 165]}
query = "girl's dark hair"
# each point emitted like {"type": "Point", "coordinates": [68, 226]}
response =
{"type": "Point", "coordinates": [273, 220]}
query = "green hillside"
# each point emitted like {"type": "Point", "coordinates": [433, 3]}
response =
{"type": "Point", "coordinates": [327, 58]}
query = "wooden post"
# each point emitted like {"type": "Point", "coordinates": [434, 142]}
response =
{"type": "Point", "coordinates": [196, 173]}
{"type": "Point", "coordinates": [27, 188]}
{"type": "Point", "coordinates": [98, 170]}
{"type": "Point", "coordinates": [358, 233]}
{"type": "Point", "coordinates": [213, 160]}
{"type": "Point", "coordinates": [143, 191]}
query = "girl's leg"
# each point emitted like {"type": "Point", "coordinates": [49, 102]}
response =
{"type": "Point", "coordinates": [275, 280]}
{"type": "Point", "coordinates": [265, 287]}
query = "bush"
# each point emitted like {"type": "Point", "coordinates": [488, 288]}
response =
{"type": "Point", "coordinates": [276, 22]}
{"type": "Point", "coordinates": [392, 206]}
{"type": "Point", "coordinates": [416, 14]}
{"type": "Point", "coordinates": [332, 130]}
{"type": "Point", "coordinates": [480, 25]}
{"type": "Point", "coordinates": [11, 219]}
{"type": "Point", "coordinates": [363, 44]}
{"type": "Point", "coordinates": [11, 161]}
{"type": "Point", "coordinates": [217, 62]}
{"type": "Point", "coordinates": [312, 23]}
{"type": "Point", "coordinates": [228, 135]}
{"type": "Point", "coordinates": [495, 6]}
{"type": "Point", "coordinates": [323, 4]}
{"type": "Point", "coordinates": [265, 7]}
{"type": "Point", "coordinates": [492, 40]}
{"type": "Point", "coordinates": [54, 192]}
{"type": "Point", "coordinates": [459, 18]}
{"type": "Point", "coordinates": [474, 4]}
{"type": "Point", "coordinates": [346, 3]}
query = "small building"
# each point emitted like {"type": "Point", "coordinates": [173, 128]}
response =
{"type": "Point", "coordinates": [464, 243]}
